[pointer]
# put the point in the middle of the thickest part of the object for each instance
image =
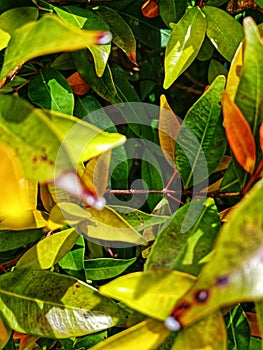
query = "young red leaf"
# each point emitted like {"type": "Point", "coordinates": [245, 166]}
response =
{"type": "Point", "coordinates": [78, 84]}
{"type": "Point", "coordinates": [261, 136]}
{"type": "Point", "coordinates": [150, 8]}
{"type": "Point", "coordinates": [239, 134]}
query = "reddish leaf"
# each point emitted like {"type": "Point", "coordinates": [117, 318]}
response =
{"type": "Point", "coordinates": [150, 8]}
{"type": "Point", "coordinates": [239, 134]}
{"type": "Point", "coordinates": [261, 136]}
{"type": "Point", "coordinates": [78, 84]}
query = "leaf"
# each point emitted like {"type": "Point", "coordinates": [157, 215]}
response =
{"type": "Point", "coordinates": [5, 333]}
{"type": "Point", "coordinates": [239, 135]}
{"type": "Point", "coordinates": [48, 251]}
{"type": "Point", "coordinates": [182, 250]}
{"type": "Point", "coordinates": [4, 37]}
{"type": "Point", "coordinates": [85, 19]}
{"type": "Point", "coordinates": [100, 269]}
{"type": "Point", "coordinates": [224, 31]}
{"type": "Point", "coordinates": [60, 306]}
{"type": "Point", "coordinates": [184, 44]}
{"type": "Point", "coordinates": [10, 240]}
{"type": "Point", "coordinates": [168, 129]}
{"type": "Point", "coordinates": [103, 86]}
{"type": "Point", "coordinates": [138, 290]}
{"type": "Point", "coordinates": [234, 73]}
{"type": "Point", "coordinates": [259, 320]}
{"type": "Point", "coordinates": [215, 69]}
{"type": "Point", "coordinates": [78, 84]}
{"type": "Point", "coordinates": [150, 8]}
{"type": "Point", "coordinates": [31, 41]}
{"type": "Point", "coordinates": [201, 141]}
{"type": "Point", "coordinates": [50, 90]}
{"type": "Point", "coordinates": [16, 17]}
{"type": "Point", "coordinates": [261, 137]}
{"type": "Point", "coordinates": [146, 335]}
{"type": "Point", "coordinates": [36, 136]}
{"type": "Point", "coordinates": [194, 337]}
{"type": "Point", "coordinates": [171, 11]}
{"type": "Point", "coordinates": [234, 273]}
{"type": "Point", "coordinates": [122, 34]}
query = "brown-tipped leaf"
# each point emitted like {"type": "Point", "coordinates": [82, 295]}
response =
{"type": "Point", "coordinates": [239, 134]}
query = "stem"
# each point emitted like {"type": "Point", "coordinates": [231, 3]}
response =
{"type": "Point", "coordinates": [253, 178]}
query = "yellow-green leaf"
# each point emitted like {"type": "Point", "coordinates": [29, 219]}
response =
{"type": "Point", "coordinates": [151, 293]}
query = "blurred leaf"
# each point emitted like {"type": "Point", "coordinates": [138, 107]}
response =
{"type": "Point", "coordinates": [14, 18]}
{"type": "Point", "coordinates": [31, 41]}
{"type": "Point", "coordinates": [234, 73]}
{"type": "Point", "coordinates": [208, 333]}
{"type": "Point", "coordinates": [146, 335]}
{"type": "Point", "coordinates": [234, 273]}
{"type": "Point", "coordinates": [168, 129]}
{"type": "Point", "coordinates": [122, 33]}
{"type": "Point", "coordinates": [103, 86]}
{"type": "Point", "coordinates": [223, 30]}
{"type": "Point", "coordinates": [60, 306]}
{"type": "Point", "coordinates": [50, 90]}
{"type": "Point", "coordinates": [73, 262]}
{"type": "Point", "coordinates": [5, 333]}
{"type": "Point", "coordinates": [171, 11]}
{"type": "Point", "coordinates": [48, 251]}
{"type": "Point", "coordinates": [201, 141]}
{"type": "Point", "coordinates": [184, 44]}
{"type": "Point", "coordinates": [100, 269]}
{"type": "Point", "coordinates": [184, 251]}
{"type": "Point", "coordinates": [239, 135]}
{"type": "Point", "coordinates": [238, 329]}
{"type": "Point", "coordinates": [85, 19]}
{"type": "Point", "coordinates": [138, 290]}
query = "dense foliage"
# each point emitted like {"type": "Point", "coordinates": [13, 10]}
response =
{"type": "Point", "coordinates": [131, 143]}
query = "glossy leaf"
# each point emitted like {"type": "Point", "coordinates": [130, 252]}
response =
{"type": "Point", "coordinates": [60, 306]}
{"type": "Point", "coordinates": [171, 11]}
{"type": "Point", "coordinates": [209, 333]}
{"type": "Point", "coordinates": [41, 134]}
{"type": "Point", "coordinates": [14, 18]}
{"type": "Point", "coordinates": [138, 290]}
{"type": "Point", "coordinates": [122, 34]}
{"type": "Point", "coordinates": [234, 273]}
{"type": "Point", "coordinates": [184, 251]}
{"type": "Point", "coordinates": [100, 269]}
{"type": "Point", "coordinates": [48, 251]}
{"type": "Point", "coordinates": [50, 90]}
{"type": "Point", "coordinates": [5, 334]}
{"type": "Point", "coordinates": [23, 44]}
{"type": "Point", "coordinates": [201, 141]}
{"type": "Point", "coordinates": [223, 30]}
{"type": "Point", "coordinates": [146, 335]}
{"type": "Point", "coordinates": [168, 129]}
{"type": "Point", "coordinates": [234, 73]}
{"type": "Point", "coordinates": [85, 19]}
{"type": "Point", "coordinates": [239, 134]}
{"type": "Point", "coordinates": [184, 44]}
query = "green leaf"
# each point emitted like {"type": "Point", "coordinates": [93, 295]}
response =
{"type": "Point", "coordinates": [100, 269]}
{"type": "Point", "coordinates": [201, 141]}
{"type": "Point", "coordinates": [122, 33]}
{"type": "Point", "coordinates": [171, 11]}
{"type": "Point", "coordinates": [234, 272]}
{"type": "Point", "coordinates": [36, 136]}
{"type": "Point", "coordinates": [85, 19]}
{"type": "Point", "coordinates": [182, 250]}
{"type": "Point", "coordinates": [223, 30]}
{"type": "Point", "coordinates": [31, 40]}
{"type": "Point", "coordinates": [14, 18]}
{"type": "Point", "coordinates": [60, 306]}
{"type": "Point", "coordinates": [10, 240]}
{"type": "Point", "coordinates": [146, 335]}
{"type": "Point", "coordinates": [73, 262]}
{"type": "Point", "coordinates": [103, 86]}
{"type": "Point", "coordinates": [184, 44]}
{"type": "Point", "coordinates": [48, 251]}
{"type": "Point", "coordinates": [138, 290]}
{"type": "Point", "coordinates": [209, 333]}
{"type": "Point", "coordinates": [238, 329]}
{"type": "Point", "coordinates": [206, 51]}
{"type": "Point", "coordinates": [215, 69]}
{"type": "Point", "coordinates": [50, 90]}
